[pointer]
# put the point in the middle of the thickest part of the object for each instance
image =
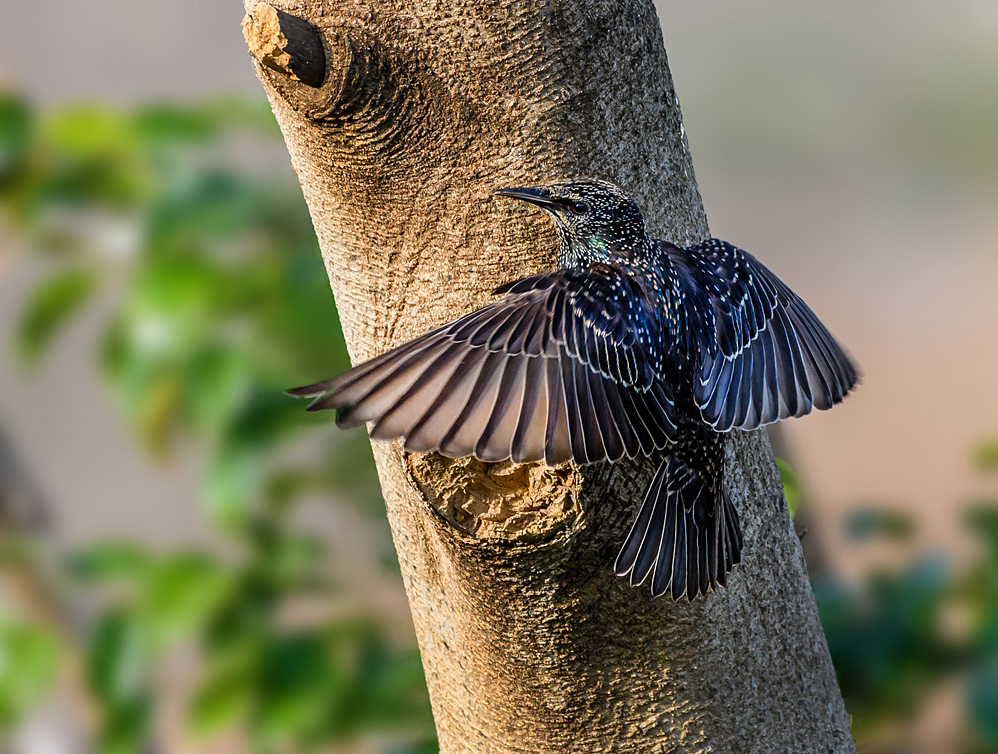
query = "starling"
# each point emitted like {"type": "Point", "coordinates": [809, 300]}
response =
{"type": "Point", "coordinates": [635, 347]}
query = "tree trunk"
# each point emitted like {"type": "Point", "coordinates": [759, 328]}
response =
{"type": "Point", "coordinates": [401, 120]}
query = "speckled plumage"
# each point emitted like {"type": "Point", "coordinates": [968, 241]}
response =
{"type": "Point", "coordinates": [634, 346]}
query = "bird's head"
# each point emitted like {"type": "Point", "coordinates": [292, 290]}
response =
{"type": "Point", "coordinates": [595, 220]}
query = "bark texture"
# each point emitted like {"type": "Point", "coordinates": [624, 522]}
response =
{"type": "Point", "coordinates": [529, 642]}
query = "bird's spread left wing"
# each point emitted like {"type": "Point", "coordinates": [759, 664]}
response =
{"type": "Point", "coordinates": [764, 355]}
{"type": "Point", "coordinates": [558, 369]}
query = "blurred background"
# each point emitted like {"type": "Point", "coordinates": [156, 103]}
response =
{"type": "Point", "coordinates": [190, 563]}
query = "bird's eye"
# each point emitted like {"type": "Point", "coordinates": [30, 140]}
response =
{"type": "Point", "coordinates": [579, 208]}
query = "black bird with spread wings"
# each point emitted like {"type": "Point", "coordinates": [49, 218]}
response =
{"type": "Point", "coordinates": [634, 346]}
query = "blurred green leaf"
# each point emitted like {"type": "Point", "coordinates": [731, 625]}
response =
{"type": "Point", "coordinates": [869, 523]}
{"type": "Point", "coordinates": [126, 729]}
{"type": "Point", "coordinates": [16, 123]}
{"type": "Point", "coordinates": [264, 419]}
{"type": "Point", "coordinates": [118, 670]}
{"type": "Point", "coordinates": [229, 487]}
{"type": "Point", "coordinates": [219, 379]}
{"type": "Point", "coordinates": [295, 672]}
{"type": "Point", "coordinates": [171, 300]}
{"type": "Point", "coordinates": [112, 560]}
{"type": "Point", "coordinates": [791, 485]}
{"type": "Point", "coordinates": [50, 307]}
{"type": "Point", "coordinates": [983, 521]}
{"type": "Point", "coordinates": [92, 159]}
{"type": "Point", "coordinates": [28, 662]}
{"type": "Point", "coordinates": [986, 455]}
{"type": "Point", "coordinates": [182, 593]}
{"type": "Point", "coordinates": [293, 558]}
{"type": "Point", "coordinates": [87, 130]}
{"type": "Point", "coordinates": [159, 413]}
{"type": "Point", "coordinates": [165, 124]}
{"type": "Point", "coordinates": [982, 703]}
{"type": "Point", "coordinates": [255, 115]}
{"type": "Point", "coordinates": [117, 667]}
{"type": "Point", "coordinates": [222, 700]}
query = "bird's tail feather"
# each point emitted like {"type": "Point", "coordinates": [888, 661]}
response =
{"type": "Point", "coordinates": [310, 391]}
{"type": "Point", "coordinates": [686, 535]}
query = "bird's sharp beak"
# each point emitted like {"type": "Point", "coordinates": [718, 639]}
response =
{"type": "Point", "coordinates": [541, 197]}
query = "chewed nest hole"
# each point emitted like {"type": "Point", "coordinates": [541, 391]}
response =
{"type": "Point", "coordinates": [504, 501]}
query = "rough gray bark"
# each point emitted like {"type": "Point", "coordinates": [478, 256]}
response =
{"type": "Point", "coordinates": [529, 641]}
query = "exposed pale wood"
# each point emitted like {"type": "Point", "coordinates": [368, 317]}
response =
{"type": "Point", "coordinates": [529, 641]}
{"type": "Point", "coordinates": [285, 43]}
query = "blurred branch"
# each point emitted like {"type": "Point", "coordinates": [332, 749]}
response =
{"type": "Point", "coordinates": [285, 43]}
{"type": "Point", "coordinates": [26, 520]}
{"type": "Point", "coordinates": [31, 578]}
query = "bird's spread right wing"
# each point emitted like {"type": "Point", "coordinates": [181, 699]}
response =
{"type": "Point", "coordinates": [765, 356]}
{"type": "Point", "coordinates": [556, 370]}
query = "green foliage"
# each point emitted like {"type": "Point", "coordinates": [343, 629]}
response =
{"type": "Point", "coordinates": [220, 303]}
{"type": "Point", "coordinates": [869, 523]}
{"type": "Point", "coordinates": [28, 662]}
{"type": "Point", "coordinates": [986, 455]}
{"type": "Point", "coordinates": [330, 679]}
{"type": "Point", "coordinates": [791, 485]}
{"type": "Point", "coordinates": [982, 703]}
{"type": "Point", "coordinates": [118, 676]}
{"type": "Point", "coordinates": [224, 300]}
{"type": "Point", "coordinates": [53, 304]}
{"type": "Point", "coordinates": [898, 635]}
{"type": "Point", "coordinates": [124, 562]}
{"type": "Point", "coordinates": [884, 640]}
{"type": "Point", "coordinates": [15, 136]}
